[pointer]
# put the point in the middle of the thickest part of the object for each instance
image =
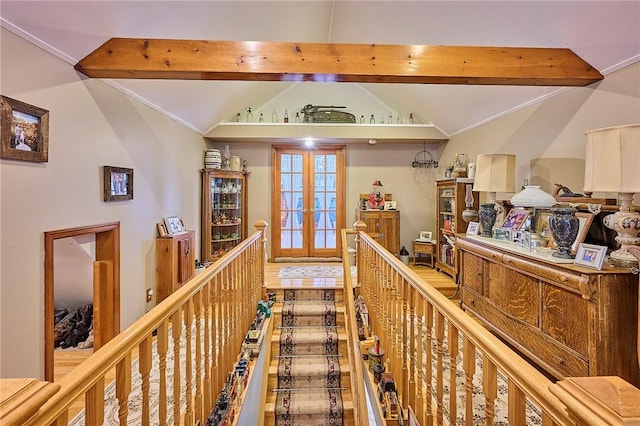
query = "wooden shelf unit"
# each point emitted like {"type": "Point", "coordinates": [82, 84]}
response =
{"type": "Point", "coordinates": [449, 207]}
{"type": "Point", "coordinates": [224, 211]}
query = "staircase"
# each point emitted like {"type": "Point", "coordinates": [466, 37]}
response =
{"type": "Point", "coordinates": [308, 379]}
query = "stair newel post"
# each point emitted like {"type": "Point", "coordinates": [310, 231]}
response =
{"type": "Point", "coordinates": [261, 226]}
{"type": "Point", "coordinates": [360, 227]}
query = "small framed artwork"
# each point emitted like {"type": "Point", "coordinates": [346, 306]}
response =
{"type": "Point", "coordinates": [516, 218]}
{"type": "Point", "coordinates": [174, 225]}
{"type": "Point", "coordinates": [502, 234]}
{"type": "Point", "coordinates": [590, 255]}
{"type": "Point", "coordinates": [542, 224]}
{"type": "Point", "coordinates": [516, 236]}
{"type": "Point", "coordinates": [425, 235]}
{"type": "Point", "coordinates": [162, 229]}
{"type": "Point", "coordinates": [24, 131]}
{"type": "Point", "coordinates": [526, 239]}
{"type": "Point", "coordinates": [473, 228]}
{"type": "Point", "coordinates": [118, 183]}
{"type": "Point", "coordinates": [390, 205]}
{"type": "Point", "coordinates": [584, 220]}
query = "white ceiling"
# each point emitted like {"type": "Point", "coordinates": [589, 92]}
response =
{"type": "Point", "coordinates": [606, 34]}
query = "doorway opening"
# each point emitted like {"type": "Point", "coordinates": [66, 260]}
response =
{"type": "Point", "coordinates": [309, 193]}
{"type": "Point", "coordinates": [104, 243]}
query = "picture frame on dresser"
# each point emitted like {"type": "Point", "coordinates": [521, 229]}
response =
{"type": "Point", "coordinates": [590, 255]}
{"type": "Point", "coordinates": [174, 225]}
{"type": "Point", "coordinates": [516, 218]}
{"type": "Point", "coordinates": [473, 228]}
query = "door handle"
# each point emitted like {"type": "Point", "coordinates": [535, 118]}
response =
{"type": "Point", "coordinates": [378, 225]}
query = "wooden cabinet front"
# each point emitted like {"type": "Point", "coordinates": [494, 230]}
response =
{"type": "Point", "coordinates": [175, 262]}
{"type": "Point", "coordinates": [571, 321]}
{"type": "Point", "coordinates": [384, 227]}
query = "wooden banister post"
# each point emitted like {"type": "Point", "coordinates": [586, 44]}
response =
{"type": "Point", "coordinates": [261, 226]}
{"type": "Point", "coordinates": [599, 400]}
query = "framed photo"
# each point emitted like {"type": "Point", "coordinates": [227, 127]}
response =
{"type": "Point", "coordinates": [526, 239]}
{"type": "Point", "coordinates": [590, 255]}
{"type": "Point", "coordinates": [542, 224]}
{"type": "Point", "coordinates": [516, 236]}
{"type": "Point", "coordinates": [473, 228]}
{"type": "Point", "coordinates": [390, 205]}
{"type": "Point", "coordinates": [502, 234]}
{"type": "Point", "coordinates": [425, 235]}
{"type": "Point", "coordinates": [174, 225]}
{"type": "Point", "coordinates": [585, 219]}
{"type": "Point", "coordinates": [516, 218]}
{"type": "Point", "coordinates": [24, 131]}
{"type": "Point", "coordinates": [118, 183]}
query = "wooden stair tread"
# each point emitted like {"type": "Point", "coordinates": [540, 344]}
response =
{"type": "Point", "coordinates": [342, 360]}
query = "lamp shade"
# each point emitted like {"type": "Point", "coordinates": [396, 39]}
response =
{"type": "Point", "coordinates": [611, 163]}
{"type": "Point", "coordinates": [495, 173]}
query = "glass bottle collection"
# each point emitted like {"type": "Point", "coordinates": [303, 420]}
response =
{"type": "Point", "coordinates": [298, 119]}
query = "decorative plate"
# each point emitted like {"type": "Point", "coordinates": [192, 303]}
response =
{"type": "Point", "coordinates": [375, 203]}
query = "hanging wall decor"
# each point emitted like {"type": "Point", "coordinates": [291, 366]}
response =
{"type": "Point", "coordinates": [118, 183]}
{"type": "Point", "coordinates": [24, 131]}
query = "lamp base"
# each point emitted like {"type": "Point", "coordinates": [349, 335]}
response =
{"type": "Point", "coordinates": [487, 215]}
{"type": "Point", "coordinates": [627, 224]}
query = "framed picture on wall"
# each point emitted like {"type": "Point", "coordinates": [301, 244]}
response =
{"type": "Point", "coordinates": [24, 131]}
{"type": "Point", "coordinates": [118, 183]}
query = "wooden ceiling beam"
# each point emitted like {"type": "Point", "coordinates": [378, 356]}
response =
{"type": "Point", "coordinates": [128, 58]}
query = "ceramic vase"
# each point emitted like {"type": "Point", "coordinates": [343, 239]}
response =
{"type": "Point", "coordinates": [564, 226]}
{"type": "Point", "coordinates": [487, 215]}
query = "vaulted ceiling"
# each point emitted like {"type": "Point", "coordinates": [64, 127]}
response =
{"type": "Point", "coordinates": [606, 34]}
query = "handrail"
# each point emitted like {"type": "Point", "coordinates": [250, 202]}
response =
{"type": "Point", "coordinates": [361, 417]}
{"type": "Point", "coordinates": [221, 300]}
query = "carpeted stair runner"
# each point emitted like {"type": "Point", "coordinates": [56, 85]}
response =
{"type": "Point", "coordinates": [309, 373]}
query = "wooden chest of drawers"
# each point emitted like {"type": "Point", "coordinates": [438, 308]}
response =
{"type": "Point", "coordinates": [571, 321]}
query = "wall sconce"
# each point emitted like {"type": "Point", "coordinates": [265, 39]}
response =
{"type": "Point", "coordinates": [611, 165]}
{"type": "Point", "coordinates": [494, 173]}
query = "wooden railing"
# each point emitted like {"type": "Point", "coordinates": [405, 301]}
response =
{"type": "Point", "coordinates": [204, 321]}
{"type": "Point", "coordinates": [421, 332]}
{"type": "Point", "coordinates": [360, 415]}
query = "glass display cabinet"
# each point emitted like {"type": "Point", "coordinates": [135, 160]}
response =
{"type": "Point", "coordinates": [224, 211]}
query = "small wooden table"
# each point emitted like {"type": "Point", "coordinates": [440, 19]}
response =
{"type": "Point", "coordinates": [422, 247]}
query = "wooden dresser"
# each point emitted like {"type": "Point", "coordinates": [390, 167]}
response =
{"type": "Point", "coordinates": [571, 321]}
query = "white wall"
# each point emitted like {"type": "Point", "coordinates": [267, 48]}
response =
{"type": "Point", "coordinates": [91, 125]}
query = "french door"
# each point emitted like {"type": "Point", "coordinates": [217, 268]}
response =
{"type": "Point", "coordinates": [308, 194]}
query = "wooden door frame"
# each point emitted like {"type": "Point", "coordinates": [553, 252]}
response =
{"type": "Point", "coordinates": [340, 151]}
{"type": "Point", "coordinates": [107, 250]}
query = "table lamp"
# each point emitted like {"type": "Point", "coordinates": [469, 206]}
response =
{"type": "Point", "coordinates": [494, 173]}
{"type": "Point", "coordinates": [611, 165]}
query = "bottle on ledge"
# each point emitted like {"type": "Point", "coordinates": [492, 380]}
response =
{"type": "Point", "coordinates": [274, 116]}
{"type": "Point", "coordinates": [372, 120]}
{"type": "Point", "coordinates": [249, 116]}
{"type": "Point", "coordinates": [286, 116]}
{"type": "Point", "coordinates": [297, 118]}
{"type": "Point", "coordinates": [261, 118]}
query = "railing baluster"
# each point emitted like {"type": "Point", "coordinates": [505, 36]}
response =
{"type": "Point", "coordinates": [429, 364]}
{"type": "Point", "coordinates": [452, 339]}
{"type": "Point", "coordinates": [412, 336]}
{"type": "Point", "coordinates": [176, 333]}
{"type": "Point", "coordinates": [162, 348]}
{"type": "Point", "coordinates": [188, 323]}
{"type": "Point", "coordinates": [516, 405]}
{"type": "Point", "coordinates": [94, 403]}
{"type": "Point", "coordinates": [490, 387]}
{"type": "Point", "coordinates": [469, 366]}
{"type": "Point", "coordinates": [199, 412]}
{"type": "Point", "coordinates": [421, 337]}
{"type": "Point", "coordinates": [439, 366]}
{"type": "Point", "coordinates": [206, 301]}
{"type": "Point", "coordinates": [123, 387]}
{"type": "Point", "coordinates": [144, 366]}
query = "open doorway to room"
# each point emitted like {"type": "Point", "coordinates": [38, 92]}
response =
{"type": "Point", "coordinates": [309, 193]}
{"type": "Point", "coordinates": [82, 287]}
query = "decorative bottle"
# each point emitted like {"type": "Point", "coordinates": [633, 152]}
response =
{"type": "Point", "coordinates": [362, 119]}
{"type": "Point", "coordinates": [274, 116]}
{"type": "Point", "coordinates": [297, 118]}
{"type": "Point", "coordinates": [286, 116]}
{"type": "Point", "coordinates": [381, 118]}
{"type": "Point", "coordinates": [249, 116]}
{"type": "Point", "coordinates": [372, 120]}
{"type": "Point", "coordinates": [390, 118]}
{"type": "Point", "coordinates": [410, 118]}
{"type": "Point", "coordinates": [261, 118]}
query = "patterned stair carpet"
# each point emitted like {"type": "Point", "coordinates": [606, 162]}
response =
{"type": "Point", "coordinates": [309, 383]}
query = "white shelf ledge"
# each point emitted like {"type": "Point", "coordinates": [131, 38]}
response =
{"type": "Point", "coordinates": [326, 132]}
